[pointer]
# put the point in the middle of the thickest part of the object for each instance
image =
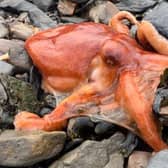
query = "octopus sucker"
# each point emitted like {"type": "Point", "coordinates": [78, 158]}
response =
{"type": "Point", "coordinates": [109, 74]}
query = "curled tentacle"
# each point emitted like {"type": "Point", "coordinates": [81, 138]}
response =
{"type": "Point", "coordinates": [117, 24]}
{"type": "Point", "coordinates": [148, 35]}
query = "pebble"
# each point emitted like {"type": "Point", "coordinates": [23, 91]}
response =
{"type": "Point", "coordinates": [103, 12]}
{"type": "Point", "coordinates": [135, 6]}
{"type": "Point", "coordinates": [37, 16]}
{"type": "Point", "coordinates": [66, 7]}
{"type": "Point", "coordinates": [25, 148]}
{"type": "Point", "coordinates": [94, 154]}
{"type": "Point", "coordinates": [21, 30]}
{"type": "Point", "coordinates": [159, 17]}
{"type": "Point", "coordinates": [4, 32]}
{"type": "Point", "coordinates": [159, 160]}
{"type": "Point", "coordinates": [139, 159]}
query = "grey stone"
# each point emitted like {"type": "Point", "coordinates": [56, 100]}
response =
{"type": "Point", "coordinates": [94, 154]}
{"type": "Point", "coordinates": [6, 45]}
{"type": "Point", "coordinates": [135, 6]}
{"type": "Point", "coordinates": [159, 17]}
{"type": "Point", "coordinates": [139, 159]}
{"type": "Point", "coordinates": [4, 32]}
{"type": "Point", "coordinates": [37, 16]}
{"type": "Point", "coordinates": [25, 148]}
{"type": "Point", "coordinates": [6, 68]}
{"type": "Point", "coordinates": [21, 30]}
{"type": "Point", "coordinates": [44, 4]}
{"type": "Point", "coordinates": [20, 58]}
{"type": "Point", "coordinates": [159, 160]}
{"type": "Point", "coordinates": [103, 12]}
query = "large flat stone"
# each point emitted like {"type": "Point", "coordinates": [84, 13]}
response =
{"type": "Point", "coordinates": [21, 148]}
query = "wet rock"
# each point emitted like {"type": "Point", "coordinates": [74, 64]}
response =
{"type": "Point", "coordinates": [37, 16]}
{"type": "Point", "coordinates": [19, 148]}
{"type": "Point", "coordinates": [20, 96]}
{"type": "Point", "coordinates": [135, 6]}
{"type": "Point", "coordinates": [159, 160]}
{"type": "Point", "coordinates": [20, 58]}
{"type": "Point", "coordinates": [81, 127]}
{"type": "Point", "coordinates": [139, 159]}
{"type": "Point", "coordinates": [22, 31]}
{"type": "Point", "coordinates": [159, 17]}
{"type": "Point", "coordinates": [73, 19]}
{"type": "Point", "coordinates": [94, 154]}
{"type": "Point", "coordinates": [103, 12]}
{"type": "Point", "coordinates": [103, 128]}
{"type": "Point", "coordinates": [3, 31]}
{"type": "Point", "coordinates": [43, 5]}
{"type": "Point", "coordinates": [79, 1]}
{"type": "Point", "coordinates": [6, 68]}
{"type": "Point", "coordinates": [6, 45]}
{"type": "Point", "coordinates": [66, 7]}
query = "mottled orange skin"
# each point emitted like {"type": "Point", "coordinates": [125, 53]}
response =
{"type": "Point", "coordinates": [89, 60]}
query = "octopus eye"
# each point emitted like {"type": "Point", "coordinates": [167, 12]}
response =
{"type": "Point", "coordinates": [112, 59]}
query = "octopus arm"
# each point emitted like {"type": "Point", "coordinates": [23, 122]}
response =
{"type": "Point", "coordinates": [141, 112]}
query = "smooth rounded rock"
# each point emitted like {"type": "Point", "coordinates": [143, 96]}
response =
{"type": "Point", "coordinates": [159, 160]}
{"type": "Point", "coordinates": [21, 148]}
{"type": "Point", "coordinates": [6, 68]}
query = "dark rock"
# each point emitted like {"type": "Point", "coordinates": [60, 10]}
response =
{"type": "Point", "coordinates": [79, 1]}
{"type": "Point", "coordinates": [94, 154]}
{"type": "Point", "coordinates": [4, 32]}
{"type": "Point", "coordinates": [103, 12]}
{"type": "Point", "coordinates": [24, 148]}
{"type": "Point", "coordinates": [44, 5]}
{"type": "Point", "coordinates": [66, 7]}
{"type": "Point", "coordinates": [139, 159]}
{"type": "Point", "coordinates": [38, 17]}
{"type": "Point", "coordinates": [135, 6]}
{"type": "Point", "coordinates": [103, 128]}
{"type": "Point", "coordinates": [159, 160]}
{"type": "Point", "coordinates": [6, 68]}
{"type": "Point", "coordinates": [81, 127]}
{"type": "Point", "coordinates": [73, 19]}
{"type": "Point", "coordinates": [159, 17]}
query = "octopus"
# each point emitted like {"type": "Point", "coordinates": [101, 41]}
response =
{"type": "Point", "coordinates": [106, 71]}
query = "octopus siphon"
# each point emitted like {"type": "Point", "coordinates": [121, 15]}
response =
{"type": "Point", "coordinates": [104, 69]}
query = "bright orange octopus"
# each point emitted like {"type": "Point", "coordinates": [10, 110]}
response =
{"type": "Point", "coordinates": [100, 65]}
